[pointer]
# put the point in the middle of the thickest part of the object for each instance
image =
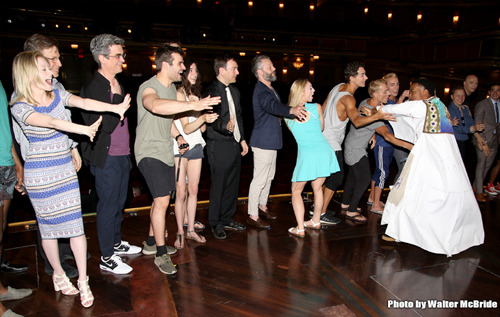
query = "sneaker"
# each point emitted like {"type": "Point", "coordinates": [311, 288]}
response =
{"type": "Point", "coordinates": [164, 263]}
{"type": "Point", "coordinates": [328, 211]}
{"type": "Point", "coordinates": [328, 219]}
{"type": "Point", "coordinates": [150, 250]}
{"type": "Point", "coordinates": [234, 226]}
{"type": "Point", "coordinates": [490, 190]}
{"type": "Point", "coordinates": [115, 265]}
{"type": "Point", "coordinates": [497, 188]}
{"type": "Point", "coordinates": [126, 248]}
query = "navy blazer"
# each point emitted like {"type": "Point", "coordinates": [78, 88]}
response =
{"type": "Point", "coordinates": [267, 110]}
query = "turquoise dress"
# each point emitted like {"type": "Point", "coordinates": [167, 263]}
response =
{"type": "Point", "coordinates": [316, 157]}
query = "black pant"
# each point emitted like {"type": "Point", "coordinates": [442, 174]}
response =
{"type": "Point", "coordinates": [224, 157]}
{"type": "Point", "coordinates": [334, 181]}
{"type": "Point", "coordinates": [358, 180]}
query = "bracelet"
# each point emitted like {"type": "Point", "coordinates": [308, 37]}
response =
{"type": "Point", "coordinates": [178, 136]}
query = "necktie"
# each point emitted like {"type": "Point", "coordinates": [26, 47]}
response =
{"type": "Point", "coordinates": [232, 112]}
{"type": "Point", "coordinates": [496, 111]}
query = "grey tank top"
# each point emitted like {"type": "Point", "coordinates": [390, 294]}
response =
{"type": "Point", "coordinates": [334, 130]}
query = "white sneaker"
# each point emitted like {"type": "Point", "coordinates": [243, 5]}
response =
{"type": "Point", "coordinates": [126, 248]}
{"type": "Point", "coordinates": [115, 265]}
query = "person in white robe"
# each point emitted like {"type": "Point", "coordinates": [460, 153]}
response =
{"type": "Point", "coordinates": [432, 204]}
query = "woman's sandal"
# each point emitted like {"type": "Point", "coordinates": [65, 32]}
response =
{"type": "Point", "coordinates": [197, 237]}
{"type": "Point", "coordinates": [197, 225]}
{"type": "Point", "coordinates": [86, 296]}
{"type": "Point", "coordinates": [314, 225]}
{"type": "Point", "coordinates": [180, 237]}
{"type": "Point", "coordinates": [297, 233]}
{"type": "Point", "coordinates": [63, 284]}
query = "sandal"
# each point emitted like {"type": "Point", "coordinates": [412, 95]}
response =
{"type": "Point", "coordinates": [297, 233]}
{"type": "Point", "coordinates": [358, 217]}
{"type": "Point", "coordinates": [86, 296]}
{"type": "Point", "coordinates": [196, 237]}
{"type": "Point", "coordinates": [370, 203]}
{"type": "Point", "coordinates": [314, 225]}
{"type": "Point", "coordinates": [197, 225]}
{"type": "Point", "coordinates": [63, 284]}
{"type": "Point", "coordinates": [179, 246]}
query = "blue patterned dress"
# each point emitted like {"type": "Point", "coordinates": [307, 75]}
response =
{"type": "Point", "coordinates": [49, 174]}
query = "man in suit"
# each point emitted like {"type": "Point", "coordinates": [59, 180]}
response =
{"type": "Point", "coordinates": [224, 138]}
{"type": "Point", "coordinates": [487, 111]}
{"type": "Point", "coordinates": [266, 138]}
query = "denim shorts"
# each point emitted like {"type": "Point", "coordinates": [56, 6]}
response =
{"type": "Point", "coordinates": [195, 153]}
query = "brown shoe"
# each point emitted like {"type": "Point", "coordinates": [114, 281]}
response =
{"type": "Point", "coordinates": [259, 223]}
{"type": "Point", "coordinates": [480, 198]}
{"type": "Point", "coordinates": [269, 215]}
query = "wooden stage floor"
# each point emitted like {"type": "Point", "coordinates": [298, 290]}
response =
{"type": "Point", "coordinates": [342, 270]}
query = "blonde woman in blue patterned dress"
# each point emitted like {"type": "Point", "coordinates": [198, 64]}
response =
{"type": "Point", "coordinates": [315, 159]}
{"type": "Point", "coordinates": [49, 173]}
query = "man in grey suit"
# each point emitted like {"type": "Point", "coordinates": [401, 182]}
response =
{"type": "Point", "coordinates": [488, 112]}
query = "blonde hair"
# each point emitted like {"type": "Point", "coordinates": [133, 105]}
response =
{"type": "Point", "coordinates": [375, 85]}
{"type": "Point", "coordinates": [390, 75]}
{"type": "Point", "coordinates": [296, 92]}
{"type": "Point", "coordinates": [24, 74]}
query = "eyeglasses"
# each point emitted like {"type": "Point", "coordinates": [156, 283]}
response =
{"type": "Point", "coordinates": [54, 59]}
{"type": "Point", "coordinates": [117, 56]}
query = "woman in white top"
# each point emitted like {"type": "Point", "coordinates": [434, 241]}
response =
{"type": "Point", "coordinates": [190, 126]}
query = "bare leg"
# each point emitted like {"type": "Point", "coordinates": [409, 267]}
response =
{"type": "Point", "coordinates": [79, 248]}
{"type": "Point", "coordinates": [298, 203]}
{"type": "Point", "coordinates": [376, 202]}
{"type": "Point", "coordinates": [157, 215]}
{"type": "Point", "coordinates": [180, 200]}
{"type": "Point", "coordinates": [318, 198]}
{"type": "Point", "coordinates": [371, 198]}
{"type": "Point", "coordinates": [51, 249]}
{"type": "Point", "coordinates": [327, 196]}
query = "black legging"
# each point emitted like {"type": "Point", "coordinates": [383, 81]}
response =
{"type": "Point", "coordinates": [358, 180]}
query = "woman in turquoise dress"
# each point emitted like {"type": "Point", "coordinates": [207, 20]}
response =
{"type": "Point", "coordinates": [49, 173]}
{"type": "Point", "coordinates": [316, 158]}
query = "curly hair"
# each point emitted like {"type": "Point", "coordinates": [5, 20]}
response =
{"type": "Point", "coordinates": [352, 70]}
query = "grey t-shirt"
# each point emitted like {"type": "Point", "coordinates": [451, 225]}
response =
{"type": "Point", "coordinates": [153, 136]}
{"type": "Point", "coordinates": [357, 139]}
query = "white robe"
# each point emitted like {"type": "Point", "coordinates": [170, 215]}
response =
{"type": "Point", "coordinates": [432, 204]}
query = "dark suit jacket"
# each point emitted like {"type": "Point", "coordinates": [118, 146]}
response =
{"type": "Point", "coordinates": [217, 130]}
{"type": "Point", "coordinates": [267, 110]}
{"type": "Point", "coordinates": [485, 113]}
{"type": "Point", "coordinates": [99, 89]}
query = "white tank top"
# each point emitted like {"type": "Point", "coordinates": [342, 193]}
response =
{"type": "Point", "coordinates": [192, 139]}
{"type": "Point", "coordinates": [334, 130]}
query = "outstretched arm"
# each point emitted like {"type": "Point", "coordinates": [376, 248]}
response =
{"type": "Point", "coordinates": [389, 137]}
{"type": "Point", "coordinates": [352, 112]}
{"type": "Point", "coordinates": [157, 105]}
{"type": "Point", "coordinates": [94, 105]}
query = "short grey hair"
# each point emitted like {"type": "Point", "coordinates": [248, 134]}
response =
{"type": "Point", "coordinates": [100, 45]}
{"type": "Point", "coordinates": [257, 64]}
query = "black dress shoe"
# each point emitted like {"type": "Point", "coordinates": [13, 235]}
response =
{"type": "Point", "coordinates": [219, 232]}
{"type": "Point", "coordinates": [234, 226]}
{"type": "Point", "coordinates": [8, 267]}
{"type": "Point", "coordinates": [266, 213]}
{"type": "Point", "coordinates": [259, 223]}
{"type": "Point", "coordinates": [70, 271]}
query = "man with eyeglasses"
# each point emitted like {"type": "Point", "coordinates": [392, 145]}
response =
{"type": "Point", "coordinates": [109, 154]}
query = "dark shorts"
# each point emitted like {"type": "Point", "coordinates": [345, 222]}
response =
{"type": "Point", "coordinates": [8, 181]}
{"type": "Point", "coordinates": [195, 153]}
{"type": "Point", "coordinates": [159, 176]}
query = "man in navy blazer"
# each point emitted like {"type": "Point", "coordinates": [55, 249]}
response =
{"type": "Point", "coordinates": [266, 138]}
